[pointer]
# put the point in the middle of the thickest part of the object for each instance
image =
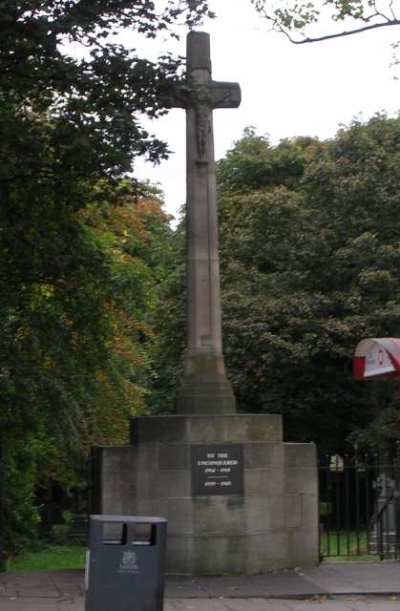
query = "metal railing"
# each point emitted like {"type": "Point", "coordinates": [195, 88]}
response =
{"type": "Point", "coordinates": [359, 506]}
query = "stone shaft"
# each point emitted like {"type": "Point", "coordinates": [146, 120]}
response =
{"type": "Point", "coordinates": [204, 388]}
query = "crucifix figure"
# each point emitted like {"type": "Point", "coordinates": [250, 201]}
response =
{"type": "Point", "coordinates": [204, 388]}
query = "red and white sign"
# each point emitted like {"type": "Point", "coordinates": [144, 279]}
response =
{"type": "Point", "coordinates": [377, 357]}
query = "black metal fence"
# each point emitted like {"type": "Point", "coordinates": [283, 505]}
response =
{"type": "Point", "coordinates": [64, 511]}
{"type": "Point", "coordinates": [359, 506]}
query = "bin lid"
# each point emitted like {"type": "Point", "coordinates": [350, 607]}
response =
{"type": "Point", "coordinates": [128, 519]}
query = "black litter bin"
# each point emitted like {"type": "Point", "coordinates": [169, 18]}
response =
{"type": "Point", "coordinates": [125, 563]}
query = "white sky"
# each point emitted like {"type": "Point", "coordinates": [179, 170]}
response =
{"type": "Point", "coordinates": [287, 90]}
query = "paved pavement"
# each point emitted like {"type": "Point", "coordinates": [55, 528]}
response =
{"type": "Point", "coordinates": [348, 586]}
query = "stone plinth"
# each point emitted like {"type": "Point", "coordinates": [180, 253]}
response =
{"type": "Point", "coordinates": [273, 523]}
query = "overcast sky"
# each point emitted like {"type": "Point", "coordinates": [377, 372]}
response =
{"type": "Point", "coordinates": [287, 90]}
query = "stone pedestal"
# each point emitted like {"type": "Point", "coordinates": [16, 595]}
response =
{"type": "Point", "coordinates": [205, 395]}
{"type": "Point", "coordinates": [270, 520]}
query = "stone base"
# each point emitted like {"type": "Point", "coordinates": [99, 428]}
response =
{"type": "Point", "coordinates": [204, 388]}
{"type": "Point", "coordinates": [198, 397]}
{"type": "Point", "coordinates": [273, 524]}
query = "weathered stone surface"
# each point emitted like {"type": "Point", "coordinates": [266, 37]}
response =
{"type": "Point", "coordinates": [155, 429]}
{"type": "Point", "coordinates": [237, 555]}
{"type": "Point", "coordinates": [261, 455]}
{"type": "Point", "coordinates": [301, 546]}
{"type": "Point", "coordinates": [300, 454]}
{"type": "Point", "coordinates": [164, 484]}
{"type": "Point", "coordinates": [174, 456]}
{"type": "Point", "coordinates": [182, 516]}
{"type": "Point", "coordinates": [273, 524]}
{"type": "Point", "coordinates": [198, 396]}
{"type": "Point", "coordinates": [117, 479]}
{"type": "Point", "coordinates": [265, 481]}
{"type": "Point", "coordinates": [205, 388]}
{"type": "Point", "coordinates": [233, 428]}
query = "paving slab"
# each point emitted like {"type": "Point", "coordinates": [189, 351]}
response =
{"type": "Point", "coordinates": [288, 583]}
{"type": "Point", "coordinates": [68, 582]}
{"type": "Point", "coordinates": [323, 603]}
{"type": "Point", "coordinates": [326, 579]}
{"type": "Point", "coordinates": [342, 603]}
{"type": "Point", "coordinates": [37, 584]}
{"type": "Point", "coordinates": [329, 587]}
{"type": "Point", "coordinates": [184, 587]}
{"type": "Point", "coordinates": [355, 577]}
{"type": "Point", "coordinates": [42, 604]}
{"type": "Point", "coordinates": [41, 584]}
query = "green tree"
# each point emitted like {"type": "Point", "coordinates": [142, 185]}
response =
{"type": "Point", "coordinates": [254, 164]}
{"type": "Point", "coordinates": [169, 322]}
{"type": "Point", "coordinates": [307, 272]}
{"type": "Point", "coordinates": [75, 356]}
{"type": "Point", "coordinates": [71, 98]}
{"type": "Point", "coordinates": [135, 236]}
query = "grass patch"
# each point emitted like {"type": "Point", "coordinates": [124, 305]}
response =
{"type": "Point", "coordinates": [332, 559]}
{"type": "Point", "coordinates": [340, 546]}
{"type": "Point", "coordinates": [50, 558]}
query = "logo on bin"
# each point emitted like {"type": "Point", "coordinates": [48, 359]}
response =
{"type": "Point", "coordinates": [128, 563]}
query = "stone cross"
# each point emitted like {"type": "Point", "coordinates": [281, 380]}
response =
{"type": "Point", "coordinates": [204, 388]}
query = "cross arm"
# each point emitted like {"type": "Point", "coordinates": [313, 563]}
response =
{"type": "Point", "coordinates": [224, 95]}
{"type": "Point", "coordinates": [214, 94]}
{"type": "Point", "coordinates": [178, 97]}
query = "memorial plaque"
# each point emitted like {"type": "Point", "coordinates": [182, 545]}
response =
{"type": "Point", "coordinates": [217, 469]}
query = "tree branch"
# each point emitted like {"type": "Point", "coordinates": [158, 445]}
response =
{"type": "Point", "coordinates": [391, 9]}
{"type": "Point", "coordinates": [365, 28]}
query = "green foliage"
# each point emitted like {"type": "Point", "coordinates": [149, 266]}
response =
{"type": "Point", "coordinates": [253, 163]}
{"type": "Point", "coordinates": [20, 518]}
{"type": "Point", "coordinates": [93, 99]}
{"type": "Point", "coordinates": [81, 247]}
{"type": "Point", "coordinates": [169, 321]}
{"type": "Point", "coordinates": [135, 236]}
{"type": "Point", "coordinates": [75, 346]}
{"type": "Point", "coordinates": [308, 272]}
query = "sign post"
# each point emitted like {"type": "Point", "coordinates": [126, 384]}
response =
{"type": "Point", "coordinates": [379, 359]}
